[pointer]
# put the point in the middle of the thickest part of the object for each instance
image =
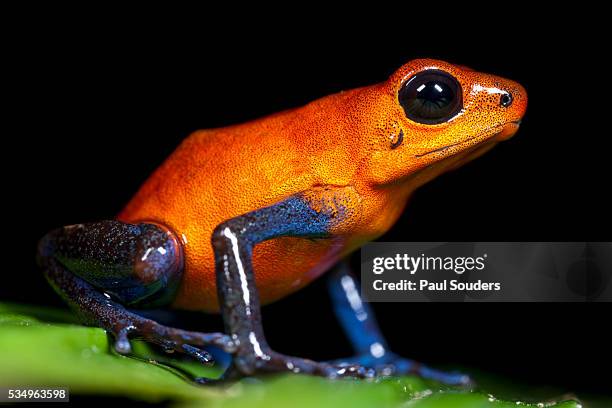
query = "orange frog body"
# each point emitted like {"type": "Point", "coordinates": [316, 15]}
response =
{"type": "Point", "coordinates": [340, 148]}
{"type": "Point", "coordinates": [258, 210]}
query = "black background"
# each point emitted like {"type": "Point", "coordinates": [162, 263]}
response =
{"type": "Point", "coordinates": [99, 105]}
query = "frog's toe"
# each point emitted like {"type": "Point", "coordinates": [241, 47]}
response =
{"type": "Point", "coordinates": [273, 362]}
{"type": "Point", "coordinates": [173, 340]}
{"type": "Point", "coordinates": [393, 365]}
{"type": "Point", "coordinates": [350, 370]}
{"type": "Point", "coordinates": [403, 366]}
{"type": "Point", "coordinates": [122, 342]}
{"type": "Point", "coordinates": [202, 356]}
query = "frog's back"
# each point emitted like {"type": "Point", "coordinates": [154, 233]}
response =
{"type": "Point", "coordinates": [218, 174]}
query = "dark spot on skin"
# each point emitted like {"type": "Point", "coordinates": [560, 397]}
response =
{"type": "Point", "coordinates": [399, 140]}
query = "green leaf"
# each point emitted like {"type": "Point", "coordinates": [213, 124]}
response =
{"type": "Point", "coordinates": [405, 392]}
{"type": "Point", "coordinates": [33, 352]}
{"type": "Point", "coordinates": [44, 347]}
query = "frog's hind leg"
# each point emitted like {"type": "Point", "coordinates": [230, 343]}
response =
{"type": "Point", "coordinates": [100, 268]}
{"type": "Point", "coordinates": [360, 326]}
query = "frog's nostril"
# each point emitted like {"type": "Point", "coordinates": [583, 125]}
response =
{"type": "Point", "coordinates": [505, 100]}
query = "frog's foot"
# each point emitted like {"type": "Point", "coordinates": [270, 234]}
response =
{"type": "Point", "coordinates": [273, 362]}
{"type": "Point", "coordinates": [391, 364]}
{"type": "Point", "coordinates": [169, 338]}
{"type": "Point", "coordinates": [357, 318]}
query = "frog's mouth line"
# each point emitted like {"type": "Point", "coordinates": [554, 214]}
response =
{"type": "Point", "coordinates": [484, 135]}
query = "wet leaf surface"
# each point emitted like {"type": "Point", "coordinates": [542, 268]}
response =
{"type": "Point", "coordinates": [44, 347]}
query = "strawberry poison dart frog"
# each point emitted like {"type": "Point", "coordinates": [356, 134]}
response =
{"type": "Point", "coordinates": [244, 215]}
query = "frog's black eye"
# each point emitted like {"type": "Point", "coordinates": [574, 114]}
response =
{"type": "Point", "coordinates": [505, 100]}
{"type": "Point", "coordinates": [431, 97]}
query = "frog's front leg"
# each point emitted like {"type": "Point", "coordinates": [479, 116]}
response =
{"type": "Point", "coordinates": [359, 324]}
{"type": "Point", "coordinates": [233, 243]}
{"type": "Point", "coordinates": [100, 268]}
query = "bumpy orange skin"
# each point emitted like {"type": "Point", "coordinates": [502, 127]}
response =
{"type": "Point", "coordinates": [335, 149]}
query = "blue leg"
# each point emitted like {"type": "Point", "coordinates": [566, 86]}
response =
{"type": "Point", "coordinates": [233, 243]}
{"type": "Point", "coordinates": [102, 268]}
{"type": "Point", "coordinates": [359, 324]}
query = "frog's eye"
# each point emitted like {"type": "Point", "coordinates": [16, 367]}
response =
{"type": "Point", "coordinates": [431, 97]}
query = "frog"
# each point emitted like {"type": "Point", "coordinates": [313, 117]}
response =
{"type": "Point", "coordinates": [244, 215]}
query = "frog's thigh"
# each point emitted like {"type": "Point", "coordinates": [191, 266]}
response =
{"type": "Point", "coordinates": [135, 264]}
{"type": "Point", "coordinates": [100, 267]}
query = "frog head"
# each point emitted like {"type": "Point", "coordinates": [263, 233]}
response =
{"type": "Point", "coordinates": [436, 116]}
